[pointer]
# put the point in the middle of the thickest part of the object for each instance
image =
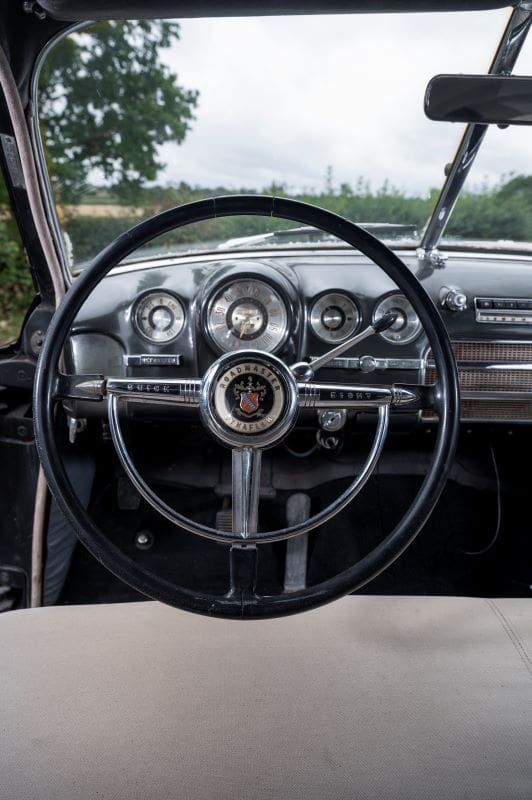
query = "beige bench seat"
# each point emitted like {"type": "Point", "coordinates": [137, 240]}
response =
{"type": "Point", "coordinates": [370, 697]}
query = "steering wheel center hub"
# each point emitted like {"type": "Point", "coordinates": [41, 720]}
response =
{"type": "Point", "coordinates": [249, 399]}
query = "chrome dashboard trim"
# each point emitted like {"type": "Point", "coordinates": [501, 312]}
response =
{"type": "Point", "coordinates": [517, 316]}
{"type": "Point", "coordinates": [380, 363]}
{"type": "Point", "coordinates": [486, 365]}
{"type": "Point", "coordinates": [153, 360]}
{"type": "Point", "coordinates": [487, 254]}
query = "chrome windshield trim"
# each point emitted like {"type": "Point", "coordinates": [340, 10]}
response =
{"type": "Point", "coordinates": [505, 57]}
{"type": "Point", "coordinates": [40, 160]}
{"type": "Point", "coordinates": [486, 255]}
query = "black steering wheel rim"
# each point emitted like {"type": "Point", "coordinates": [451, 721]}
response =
{"type": "Point", "coordinates": [158, 587]}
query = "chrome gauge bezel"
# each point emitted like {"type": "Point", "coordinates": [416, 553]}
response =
{"type": "Point", "coordinates": [261, 343]}
{"type": "Point", "coordinates": [166, 299]}
{"type": "Point", "coordinates": [412, 326]}
{"type": "Point", "coordinates": [338, 298]}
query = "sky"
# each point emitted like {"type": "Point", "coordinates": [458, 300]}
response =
{"type": "Point", "coordinates": [283, 99]}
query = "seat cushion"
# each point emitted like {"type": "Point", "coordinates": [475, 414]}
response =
{"type": "Point", "coordinates": [370, 697]}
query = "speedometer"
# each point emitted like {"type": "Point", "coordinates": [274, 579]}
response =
{"type": "Point", "coordinates": [247, 314]}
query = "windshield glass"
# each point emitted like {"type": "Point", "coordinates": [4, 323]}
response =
{"type": "Point", "coordinates": [137, 117]}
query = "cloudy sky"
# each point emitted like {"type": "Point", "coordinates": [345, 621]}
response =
{"type": "Point", "coordinates": [281, 99]}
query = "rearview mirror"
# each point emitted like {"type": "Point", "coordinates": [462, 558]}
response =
{"type": "Point", "coordinates": [498, 99]}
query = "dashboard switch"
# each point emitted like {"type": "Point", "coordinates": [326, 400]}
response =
{"type": "Point", "coordinates": [454, 299]}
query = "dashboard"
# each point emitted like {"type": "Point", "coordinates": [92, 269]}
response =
{"type": "Point", "coordinates": [175, 316]}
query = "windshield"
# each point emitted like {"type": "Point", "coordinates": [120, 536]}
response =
{"type": "Point", "coordinates": [139, 117]}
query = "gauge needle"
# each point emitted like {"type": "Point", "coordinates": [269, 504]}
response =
{"type": "Point", "coordinates": [245, 325]}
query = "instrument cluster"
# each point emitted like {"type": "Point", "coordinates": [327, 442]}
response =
{"type": "Point", "coordinates": [244, 312]}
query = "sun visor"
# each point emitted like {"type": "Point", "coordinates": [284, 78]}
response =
{"type": "Point", "coordinates": [73, 10]}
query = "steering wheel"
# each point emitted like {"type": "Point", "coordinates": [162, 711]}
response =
{"type": "Point", "coordinates": [248, 401]}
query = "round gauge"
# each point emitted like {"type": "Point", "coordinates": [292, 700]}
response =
{"type": "Point", "coordinates": [407, 325]}
{"type": "Point", "coordinates": [159, 317]}
{"type": "Point", "coordinates": [247, 314]}
{"type": "Point", "coordinates": [334, 317]}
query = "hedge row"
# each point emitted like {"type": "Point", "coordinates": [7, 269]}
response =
{"type": "Point", "coordinates": [502, 212]}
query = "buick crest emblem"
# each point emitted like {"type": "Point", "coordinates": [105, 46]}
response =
{"type": "Point", "coordinates": [249, 402]}
{"type": "Point", "coordinates": [249, 395]}
{"type": "Point", "coordinates": [249, 399]}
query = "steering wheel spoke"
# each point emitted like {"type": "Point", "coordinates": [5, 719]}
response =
{"type": "Point", "coordinates": [243, 572]}
{"type": "Point", "coordinates": [334, 395]}
{"type": "Point", "coordinates": [418, 397]}
{"type": "Point", "coordinates": [409, 396]}
{"type": "Point", "coordinates": [246, 490]}
{"type": "Point", "coordinates": [79, 387]}
{"type": "Point", "coordinates": [174, 391]}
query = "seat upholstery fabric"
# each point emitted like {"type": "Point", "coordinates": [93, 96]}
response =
{"type": "Point", "coordinates": [370, 697]}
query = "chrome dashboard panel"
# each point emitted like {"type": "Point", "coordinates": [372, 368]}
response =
{"type": "Point", "coordinates": [106, 338]}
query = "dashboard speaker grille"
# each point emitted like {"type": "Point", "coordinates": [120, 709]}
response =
{"type": "Point", "coordinates": [479, 378]}
{"type": "Point", "coordinates": [493, 352]}
{"type": "Point", "coordinates": [503, 380]}
{"type": "Point", "coordinates": [496, 410]}
{"type": "Point", "coordinates": [490, 411]}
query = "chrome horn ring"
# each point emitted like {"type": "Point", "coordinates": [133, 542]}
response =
{"type": "Point", "coordinates": [274, 400]}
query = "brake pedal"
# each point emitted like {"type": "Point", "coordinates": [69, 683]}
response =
{"type": "Point", "coordinates": [295, 570]}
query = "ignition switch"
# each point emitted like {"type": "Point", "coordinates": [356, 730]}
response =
{"type": "Point", "coordinates": [331, 421]}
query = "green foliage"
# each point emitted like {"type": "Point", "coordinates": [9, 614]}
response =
{"type": "Point", "coordinates": [503, 212]}
{"type": "Point", "coordinates": [500, 213]}
{"type": "Point", "coordinates": [107, 103]}
{"type": "Point", "coordinates": [387, 204]}
{"type": "Point", "coordinates": [16, 285]}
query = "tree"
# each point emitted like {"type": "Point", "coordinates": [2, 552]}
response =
{"type": "Point", "coordinates": [107, 104]}
{"type": "Point", "coordinates": [16, 284]}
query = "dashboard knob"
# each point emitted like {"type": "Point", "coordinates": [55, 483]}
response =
{"type": "Point", "coordinates": [455, 300]}
{"type": "Point", "coordinates": [368, 364]}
